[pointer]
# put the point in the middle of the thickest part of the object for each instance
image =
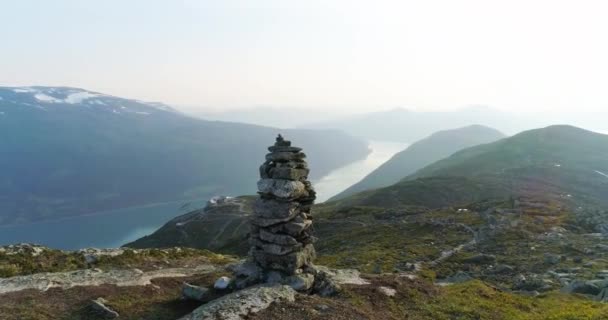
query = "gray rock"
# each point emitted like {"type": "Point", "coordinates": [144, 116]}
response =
{"type": "Point", "coordinates": [285, 156]}
{"type": "Point", "coordinates": [389, 292]}
{"type": "Point", "coordinates": [192, 292]}
{"type": "Point", "coordinates": [532, 283]}
{"type": "Point", "coordinates": [322, 307]}
{"type": "Point", "coordinates": [238, 305]}
{"type": "Point", "coordinates": [280, 188]}
{"type": "Point", "coordinates": [274, 277]}
{"type": "Point", "coordinates": [550, 258]}
{"type": "Point", "coordinates": [246, 269]}
{"type": "Point", "coordinates": [300, 282]}
{"type": "Point", "coordinates": [222, 283]}
{"type": "Point", "coordinates": [99, 307]}
{"type": "Point", "coordinates": [276, 238]}
{"type": "Point", "coordinates": [503, 268]}
{"type": "Point", "coordinates": [270, 209]}
{"type": "Point", "coordinates": [288, 263]}
{"type": "Point", "coordinates": [288, 173]}
{"type": "Point", "coordinates": [583, 287]}
{"type": "Point", "coordinates": [275, 249]}
{"type": "Point", "coordinates": [293, 228]}
{"type": "Point", "coordinates": [328, 281]}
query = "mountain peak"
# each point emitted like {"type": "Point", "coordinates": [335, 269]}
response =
{"type": "Point", "coordinates": [47, 98]}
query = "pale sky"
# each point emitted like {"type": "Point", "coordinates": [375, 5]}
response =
{"type": "Point", "coordinates": [519, 55]}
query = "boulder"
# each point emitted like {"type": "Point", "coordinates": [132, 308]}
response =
{"type": "Point", "coordinates": [240, 304]}
{"type": "Point", "coordinates": [192, 292]}
{"type": "Point", "coordinates": [222, 283]}
{"type": "Point", "coordinates": [550, 258]}
{"type": "Point", "coordinates": [389, 292]}
{"type": "Point", "coordinates": [504, 268]}
{"type": "Point", "coordinates": [584, 287]}
{"type": "Point", "coordinates": [301, 282]}
{"type": "Point", "coordinates": [532, 283]}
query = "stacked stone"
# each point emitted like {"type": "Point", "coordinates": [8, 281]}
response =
{"type": "Point", "coordinates": [281, 239]}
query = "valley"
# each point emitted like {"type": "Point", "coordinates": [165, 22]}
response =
{"type": "Point", "coordinates": [114, 228]}
{"type": "Point", "coordinates": [340, 179]}
{"type": "Point", "coordinates": [303, 160]}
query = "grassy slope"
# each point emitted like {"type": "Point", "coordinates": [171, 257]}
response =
{"type": "Point", "coordinates": [422, 153]}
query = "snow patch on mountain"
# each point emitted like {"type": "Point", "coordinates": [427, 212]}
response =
{"type": "Point", "coordinates": [23, 90]}
{"type": "Point", "coordinates": [156, 105]}
{"type": "Point", "coordinates": [45, 98]}
{"type": "Point", "coordinates": [79, 97]}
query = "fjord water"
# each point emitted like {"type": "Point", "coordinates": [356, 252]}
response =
{"type": "Point", "coordinates": [116, 227]}
{"type": "Point", "coordinates": [344, 177]}
{"type": "Point", "coordinates": [108, 229]}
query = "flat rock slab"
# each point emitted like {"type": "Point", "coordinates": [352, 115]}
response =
{"type": "Point", "coordinates": [240, 304]}
{"type": "Point", "coordinates": [344, 276]}
{"type": "Point", "coordinates": [95, 277]}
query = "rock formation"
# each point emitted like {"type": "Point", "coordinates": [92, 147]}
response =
{"type": "Point", "coordinates": [281, 237]}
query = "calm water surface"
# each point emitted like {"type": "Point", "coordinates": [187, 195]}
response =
{"type": "Point", "coordinates": [108, 229]}
{"type": "Point", "coordinates": [342, 178]}
{"type": "Point", "coordinates": [114, 228]}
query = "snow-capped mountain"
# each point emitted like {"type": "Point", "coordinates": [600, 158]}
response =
{"type": "Point", "coordinates": [57, 98]}
{"type": "Point", "coordinates": [66, 152]}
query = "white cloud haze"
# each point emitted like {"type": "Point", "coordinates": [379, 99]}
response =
{"type": "Point", "coordinates": [534, 55]}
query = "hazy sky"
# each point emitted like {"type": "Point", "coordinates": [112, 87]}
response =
{"type": "Point", "coordinates": [362, 55]}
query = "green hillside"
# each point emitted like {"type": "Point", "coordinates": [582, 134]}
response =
{"type": "Point", "coordinates": [422, 153]}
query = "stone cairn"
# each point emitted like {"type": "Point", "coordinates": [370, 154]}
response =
{"type": "Point", "coordinates": [281, 227]}
{"type": "Point", "coordinates": [281, 240]}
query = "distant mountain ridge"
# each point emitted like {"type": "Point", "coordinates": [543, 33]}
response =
{"type": "Point", "coordinates": [403, 125]}
{"type": "Point", "coordinates": [557, 162]}
{"type": "Point", "coordinates": [67, 151]}
{"type": "Point", "coordinates": [422, 153]}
